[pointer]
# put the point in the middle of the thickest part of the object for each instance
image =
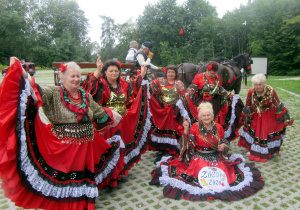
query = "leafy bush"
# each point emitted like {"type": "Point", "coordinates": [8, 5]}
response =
{"type": "Point", "coordinates": [295, 72]}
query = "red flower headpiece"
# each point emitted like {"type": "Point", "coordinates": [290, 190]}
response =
{"type": "Point", "coordinates": [209, 67]}
{"type": "Point", "coordinates": [212, 66]}
{"type": "Point", "coordinates": [63, 67]}
{"type": "Point", "coordinates": [249, 67]}
{"type": "Point", "coordinates": [165, 70]}
{"type": "Point", "coordinates": [120, 64]}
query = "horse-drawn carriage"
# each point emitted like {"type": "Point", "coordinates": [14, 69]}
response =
{"type": "Point", "coordinates": [228, 70]}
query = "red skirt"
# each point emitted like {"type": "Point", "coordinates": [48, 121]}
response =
{"type": "Point", "coordinates": [37, 169]}
{"type": "Point", "coordinates": [264, 136]}
{"type": "Point", "coordinates": [133, 129]}
{"type": "Point", "coordinates": [166, 131]}
{"type": "Point", "coordinates": [181, 181]}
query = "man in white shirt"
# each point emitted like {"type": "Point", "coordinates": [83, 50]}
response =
{"type": "Point", "coordinates": [133, 49]}
{"type": "Point", "coordinates": [144, 55]}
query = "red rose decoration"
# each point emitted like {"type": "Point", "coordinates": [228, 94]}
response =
{"type": "Point", "coordinates": [234, 77]}
{"type": "Point", "coordinates": [165, 70]}
{"type": "Point", "coordinates": [229, 82]}
{"type": "Point", "coordinates": [120, 64]}
{"type": "Point", "coordinates": [249, 67]}
{"type": "Point", "coordinates": [63, 67]}
{"type": "Point", "coordinates": [209, 67]}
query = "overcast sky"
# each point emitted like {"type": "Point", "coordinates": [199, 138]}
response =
{"type": "Point", "coordinates": [123, 10]}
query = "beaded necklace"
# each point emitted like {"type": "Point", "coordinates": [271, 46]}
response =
{"type": "Point", "coordinates": [76, 101]}
{"type": "Point", "coordinates": [81, 109]}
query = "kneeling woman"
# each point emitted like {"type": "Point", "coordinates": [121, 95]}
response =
{"type": "Point", "coordinates": [204, 170]}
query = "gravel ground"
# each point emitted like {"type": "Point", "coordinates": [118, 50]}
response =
{"type": "Point", "coordinates": [281, 175]}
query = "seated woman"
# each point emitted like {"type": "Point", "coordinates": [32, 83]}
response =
{"type": "Point", "coordinates": [207, 87]}
{"type": "Point", "coordinates": [110, 90]}
{"type": "Point", "coordinates": [204, 170]}
{"type": "Point", "coordinates": [265, 119]}
{"type": "Point", "coordinates": [166, 131]}
{"type": "Point", "coordinates": [53, 159]}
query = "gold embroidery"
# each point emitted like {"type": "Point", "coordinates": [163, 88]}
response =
{"type": "Point", "coordinates": [210, 89]}
{"type": "Point", "coordinates": [117, 103]}
{"type": "Point", "coordinates": [266, 99]}
{"type": "Point", "coordinates": [169, 95]}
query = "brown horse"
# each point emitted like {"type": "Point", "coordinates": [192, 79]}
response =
{"type": "Point", "coordinates": [229, 71]}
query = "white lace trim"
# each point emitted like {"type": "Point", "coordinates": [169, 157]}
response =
{"type": "Point", "coordinates": [136, 151]}
{"type": "Point", "coordinates": [183, 111]}
{"type": "Point", "coordinates": [233, 116]}
{"type": "Point", "coordinates": [175, 183]}
{"type": "Point", "coordinates": [163, 159]}
{"type": "Point", "coordinates": [111, 165]}
{"type": "Point", "coordinates": [36, 182]}
{"type": "Point", "coordinates": [257, 148]}
{"type": "Point", "coordinates": [164, 140]}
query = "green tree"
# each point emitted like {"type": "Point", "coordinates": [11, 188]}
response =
{"type": "Point", "coordinates": [110, 33]}
{"type": "Point", "coordinates": [13, 29]}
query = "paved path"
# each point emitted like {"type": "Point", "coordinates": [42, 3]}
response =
{"type": "Point", "coordinates": [296, 78]}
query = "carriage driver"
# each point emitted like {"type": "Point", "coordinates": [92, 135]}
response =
{"type": "Point", "coordinates": [144, 55]}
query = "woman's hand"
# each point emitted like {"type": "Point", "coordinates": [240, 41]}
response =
{"type": "Point", "coordinates": [143, 71]}
{"type": "Point", "coordinates": [221, 147]}
{"type": "Point", "coordinates": [186, 126]}
{"type": "Point", "coordinates": [99, 64]}
{"type": "Point", "coordinates": [12, 60]}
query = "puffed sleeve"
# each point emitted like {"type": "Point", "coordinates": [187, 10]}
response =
{"type": "Point", "coordinates": [193, 88]}
{"type": "Point", "coordinates": [281, 112]}
{"type": "Point", "coordinates": [99, 113]}
{"type": "Point", "coordinates": [180, 87]}
{"type": "Point", "coordinates": [48, 97]}
{"type": "Point", "coordinates": [187, 144]}
{"type": "Point", "coordinates": [155, 87]}
{"type": "Point", "coordinates": [248, 112]}
{"type": "Point", "coordinates": [94, 86]}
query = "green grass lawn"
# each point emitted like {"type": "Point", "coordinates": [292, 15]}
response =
{"type": "Point", "coordinates": [276, 81]}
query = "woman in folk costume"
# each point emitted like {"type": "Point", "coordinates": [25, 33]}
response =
{"type": "Point", "coordinates": [51, 155]}
{"type": "Point", "coordinates": [265, 119]}
{"type": "Point", "coordinates": [207, 87]}
{"type": "Point", "coordinates": [204, 170]}
{"type": "Point", "coordinates": [110, 90]}
{"type": "Point", "coordinates": [166, 131]}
